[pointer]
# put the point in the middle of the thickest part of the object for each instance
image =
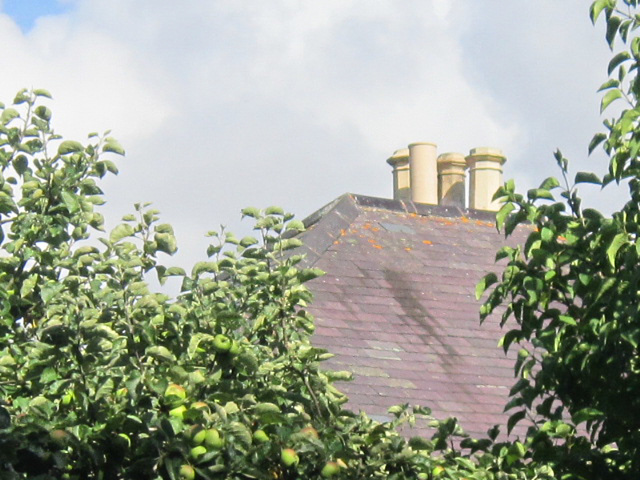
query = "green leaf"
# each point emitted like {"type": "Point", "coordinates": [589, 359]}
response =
{"type": "Point", "coordinates": [308, 274]}
{"type": "Point", "coordinates": [121, 231]}
{"type": "Point", "coordinates": [597, 139]}
{"type": "Point", "coordinates": [514, 419]}
{"type": "Point", "coordinates": [611, 83]}
{"type": "Point", "coordinates": [70, 146]}
{"type": "Point", "coordinates": [585, 415]}
{"type": "Point", "coordinates": [21, 164]}
{"type": "Point", "coordinates": [546, 234]}
{"type": "Point", "coordinates": [610, 97]}
{"type": "Point", "coordinates": [161, 353]}
{"type": "Point", "coordinates": [251, 212]}
{"type": "Point", "coordinates": [613, 23]}
{"type": "Point", "coordinates": [50, 290]}
{"type": "Point", "coordinates": [70, 201]}
{"type": "Point", "coordinates": [568, 320]}
{"type": "Point", "coordinates": [8, 115]}
{"type": "Point", "coordinates": [618, 241]}
{"type": "Point", "coordinates": [617, 60]}
{"type": "Point", "coordinates": [274, 211]}
{"type": "Point", "coordinates": [596, 9]}
{"type": "Point", "coordinates": [41, 92]}
{"type": "Point", "coordinates": [166, 243]}
{"type": "Point", "coordinates": [240, 433]}
{"type": "Point", "coordinates": [486, 281]}
{"type": "Point", "coordinates": [538, 193]}
{"type": "Point", "coordinates": [503, 213]}
{"type": "Point", "coordinates": [248, 241]}
{"type": "Point", "coordinates": [28, 285]}
{"type": "Point", "coordinates": [204, 267]}
{"type": "Point", "coordinates": [587, 177]}
{"type": "Point", "coordinates": [43, 112]}
{"type": "Point", "coordinates": [112, 145]}
{"type": "Point", "coordinates": [295, 225]}
{"type": "Point", "coordinates": [175, 271]}
{"type": "Point", "coordinates": [550, 183]}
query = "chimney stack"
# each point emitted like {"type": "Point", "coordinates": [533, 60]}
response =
{"type": "Point", "coordinates": [401, 181]}
{"type": "Point", "coordinates": [485, 177]}
{"type": "Point", "coordinates": [423, 172]}
{"type": "Point", "coordinates": [421, 176]}
{"type": "Point", "coordinates": [451, 179]}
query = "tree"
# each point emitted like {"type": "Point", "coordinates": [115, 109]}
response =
{"type": "Point", "coordinates": [573, 290]}
{"type": "Point", "coordinates": [102, 378]}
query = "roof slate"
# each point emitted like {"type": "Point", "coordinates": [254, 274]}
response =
{"type": "Point", "coordinates": [397, 307]}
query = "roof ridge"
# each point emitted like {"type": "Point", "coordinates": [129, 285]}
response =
{"type": "Point", "coordinates": [401, 206]}
{"type": "Point", "coordinates": [422, 209]}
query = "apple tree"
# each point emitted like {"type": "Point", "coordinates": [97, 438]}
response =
{"type": "Point", "coordinates": [103, 378]}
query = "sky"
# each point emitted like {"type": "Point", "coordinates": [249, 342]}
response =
{"type": "Point", "coordinates": [223, 104]}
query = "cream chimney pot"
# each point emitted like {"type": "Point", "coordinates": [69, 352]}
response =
{"type": "Point", "coordinates": [423, 170]}
{"type": "Point", "coordinates": [401, 181]}
{"type": "Point", "coordinates": [451, 179]}
{"type": "Point", "coordinates": [485, 177]}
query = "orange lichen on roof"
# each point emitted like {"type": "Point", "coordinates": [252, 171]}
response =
{"type": "Point", "coordinates": [371, 240]}
{"type": "Point", "coordinates": [366, 226]}
{"type": "Point", "coordinates": [408, 249]}
{"type": "Point", "coordinates": [336, 242]}
{"type": "Point", "coordinates": [427, 242]}
{"type": "Point", "coordinates": [377, 246]}
{"type": "Point", "coordinates": [485, 224]}
{"type": "Point", "coordinates": [464, 219]}
{"type": "Point", "coordinates": [343, 232]}
{"type": "Point", "coordinates": [374, 229]}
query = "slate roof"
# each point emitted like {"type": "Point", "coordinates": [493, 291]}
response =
{"type": "Point", "coordinates": [397, 307]}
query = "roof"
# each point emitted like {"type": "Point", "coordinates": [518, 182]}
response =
{"type": "Point", "coordinates": [397, 307]}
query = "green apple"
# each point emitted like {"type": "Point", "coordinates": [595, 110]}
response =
{"type": "Point", "coordinates": [260, 436]}
{"type": "Point", "coordinates": [197, 452]}
{"type": "Point", "coordinates": [198, 434]}
{"type": "Point", "coordinates": [222, 343]}
{"type": "Point", "coordinates": [330, 469]}
{"type": "Point", "coordinates": [289, 457]}
{"type": "Point", "coordinates": [187, 472]}
{"type": "Point", "coordinates": [175, 394]}
{"type": "Point", "coordinates": [212, 439]}
{"type": "Point", "coordinates": [437, 471]}
{"type": "Point", "coordinates": [178, 412]}
{"type": "Point", "coordinates": [175, 390]}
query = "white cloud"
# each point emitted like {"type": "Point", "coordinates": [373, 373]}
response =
{"type": "Point", "coordinates": [223, 104]}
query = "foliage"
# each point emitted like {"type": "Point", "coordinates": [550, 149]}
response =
{"type": "Point", "coordinates": [573, 290]}
{"type": "Point", "coordinates": [102, 378]}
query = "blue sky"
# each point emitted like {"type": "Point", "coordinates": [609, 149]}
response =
{"type": "Point", "coordinates": [25, 12]}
